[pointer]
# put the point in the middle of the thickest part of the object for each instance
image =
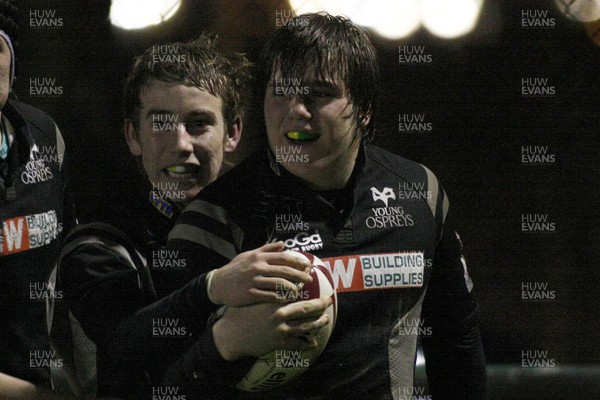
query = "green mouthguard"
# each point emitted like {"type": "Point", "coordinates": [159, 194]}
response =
{"type": "Point", "coordinates": [181, 169]}
{"type": "Point", "coordinates": [301, 135]}
{"type": "Point", "coordinates": [178, 169]}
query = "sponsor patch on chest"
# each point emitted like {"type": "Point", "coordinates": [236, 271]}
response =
{"type": "Point", "coordinates": [377, 271]}
{"type": "Point", "coordinates": [28, 232]}
{"type": "Point", "coordinates": [303, 241]}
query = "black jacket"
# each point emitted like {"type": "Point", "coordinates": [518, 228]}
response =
{"type": "Point", "coordinates": [110, 266]}
{"type": "Point", "coordinates": [35, 213]}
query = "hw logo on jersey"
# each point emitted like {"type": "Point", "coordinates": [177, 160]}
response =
{"type": "Point", "coordinates": [385, 194]}
{"type": "Point", "coordinates": [15, 236]}
{"type": "Point", "coordinates": [28, 232]}
{"type": "Point", "coordinates": [377, 271]}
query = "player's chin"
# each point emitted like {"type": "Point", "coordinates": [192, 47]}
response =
{"type": "Point", "coordinates": [299, 168]}
{"type": "Point", "coordinates": [192, 192]}
{"type": "Point", "coordinates": [313, 170]}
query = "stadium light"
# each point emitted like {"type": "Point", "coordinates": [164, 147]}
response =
{"type": "Point", "coordinates": [138, 14]}
{"type": "Point", "coordinates": [450, 19]}
{"type": "Point", "coordinates": [400, 18]}
{"type": "Point", "coordinates": [392, 20]}
{"type": "Point", "coordinates": [333, 7]}
{"type": "Point", "coordinates": [580, 10]}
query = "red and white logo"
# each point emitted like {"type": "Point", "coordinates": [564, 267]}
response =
{"type": "Point", "coordinates": [361, 272]}
{"type": "Point", "coordinates": [28, 232]}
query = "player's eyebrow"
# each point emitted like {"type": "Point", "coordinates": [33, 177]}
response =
{"type": "Point", "coordinates": [327, 85]}
{"type": "Point", "coordinates": [158, 111]}
{"type": "Point", "coordinates": [209, 115]}
{"type": "Point", "coordinates": [324, 84]}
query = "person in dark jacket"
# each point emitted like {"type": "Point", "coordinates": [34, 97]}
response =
{"type": "Point", "coordinates": [35, 213]}
{"type": "Point", "coordinates": [380, 223]}
{"type": "Point", "coordinates": [183, 114]}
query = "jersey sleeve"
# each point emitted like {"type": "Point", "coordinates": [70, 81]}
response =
{"type": "Point", "coordinates": [201, 372]}
{"type": "Point", "coordinates": [113, 299]}
{"type": "Point", "coordinates": [206, 239]}
{"type": "Point", "coordinates": [454, 357]}
{"type": "Point", "coordinates": [205, 236]}
{"type": "Point", "coordinates": [157, 335]}
{"type": "Point", "coordinates": [93, 278]}
{"type": "Point", "coordinates": [94, 270]}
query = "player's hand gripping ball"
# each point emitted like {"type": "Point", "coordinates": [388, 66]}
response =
{"type": "Point", "coordinates": [281, 366]}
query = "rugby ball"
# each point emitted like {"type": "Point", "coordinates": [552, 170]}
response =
{"type": "Point", "coordinates": [280, 366]}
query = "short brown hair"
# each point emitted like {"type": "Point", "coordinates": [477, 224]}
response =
{"type": "Point", "coordinates": [197, 62]}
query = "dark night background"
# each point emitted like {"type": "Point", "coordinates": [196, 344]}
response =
{"type": "Point", "coordinates": [470, 93]}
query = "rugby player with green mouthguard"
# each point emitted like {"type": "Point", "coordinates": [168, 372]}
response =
{"type": "Point", "coordinates": [182, 116]}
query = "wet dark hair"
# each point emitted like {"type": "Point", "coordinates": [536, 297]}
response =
{"type": "Point", "coordinates": [9, 24]}
{"type": "Point", "coordinates": [337, 48]}
{"type": "Point", "coordinates": [197, 62]}
{"type": "Point", "coordinates": [8, 19]}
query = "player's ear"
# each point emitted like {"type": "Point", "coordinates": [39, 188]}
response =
{"type": "Point", "coordinates": [131, 137]}
{"type": "Point", "coordinates": [233, 134]}
{"type": "Point", "coordinates": [365, 118]}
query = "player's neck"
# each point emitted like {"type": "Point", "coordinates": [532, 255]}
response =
{"type": "Point", "coordinates": [331, 176]}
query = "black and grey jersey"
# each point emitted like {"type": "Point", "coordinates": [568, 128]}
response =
{"type": "Point", "coordinates": [396, 262]}
{"type": "Point", "coordinates": [111, 266]}
{"type": "Point", "coordinates": [34, 214]}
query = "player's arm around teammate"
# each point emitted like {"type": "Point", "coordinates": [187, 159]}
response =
{"type": "Point", "coordinates": [123, 308]}
{"type": "Point", "coordinates": [255, 275]}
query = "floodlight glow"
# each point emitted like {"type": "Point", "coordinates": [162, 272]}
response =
{"type": "Point", "coordinates": [137, 14]}
{"type": "Point", "coordinates": [333, 7]}
{"type": "Point", "coordinates": [392, 20]}
{"type": "Point", "coordinates": [580, 10]}
{"type": "Point", "coordinates": [450, 19]}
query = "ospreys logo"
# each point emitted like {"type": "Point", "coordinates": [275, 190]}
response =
{"type": "Point", "coordinates": [36, 170]}
{"type": "Point", "coordinates": [386, 194]}
{"type": "Point", "coordinates": [388, 216]}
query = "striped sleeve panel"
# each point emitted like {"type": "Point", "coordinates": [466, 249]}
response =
{"type": "Point", "coordinates": [60, 146]}
{"type": "Point", "coordinates": [209, 226]}
{"type": "Point", "coordinates": [437, 201]}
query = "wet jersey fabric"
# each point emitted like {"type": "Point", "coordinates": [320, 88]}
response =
{"type": "Point", "coordinates": [397, 266]}
{"type": "Point", "coordinates": [34, 214]}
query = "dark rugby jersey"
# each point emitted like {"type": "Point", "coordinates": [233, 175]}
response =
{"type": "Point", "coordinates": [396, 262]}
{"type": "Point", "coordinates": [33, 219]}
{"type": "Point", "coordinates": [111, 265]}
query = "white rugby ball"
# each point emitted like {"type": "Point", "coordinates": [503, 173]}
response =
{"type": "Point", "coordinates": [281, 366]}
